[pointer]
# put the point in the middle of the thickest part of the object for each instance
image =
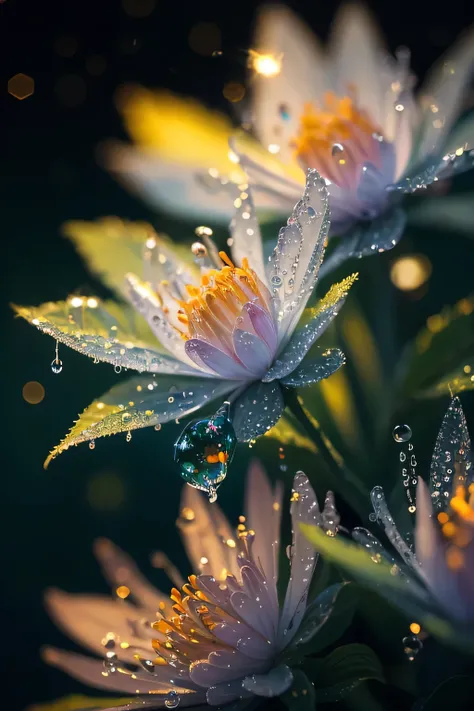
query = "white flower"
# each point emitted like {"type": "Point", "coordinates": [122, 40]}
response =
{"type": "Point", "coordinates": [349, 111]}
{"type": "Point", "coordinates": [225, 636]}
{"type": "Point", "coordinates": [434, 580]}
{"type": "Point", "coordinates": [210, 329]}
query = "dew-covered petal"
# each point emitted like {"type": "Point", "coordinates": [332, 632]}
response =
{"type": "Point", "coordinates": [294, 266]}
{"type": "Point", "coordinates": [142, 401]}
{"type": "Point", "coordinates": [246, 235]}
{"type": "Point", "coordinates": [317, 614]}
{"type": "Point", "coordinates": [314, 369]}
{"type": "Point", "coordinates": [257, 320]}
{"type": "Point", "coordinates": [113, 247]}
{"type": "Point", "coordinates": [304, 510]}
{"type": "Point", "coordinates": [312, 325]}
{"type": "Point", "coordinates": [221, 694]}
{"type": "Point", "coordinates": [245, 639]}
{"type": "Point", "coordinates": [252, 352]}
{"type": "Point", "coordinates": [104, 331]}
{"type": "Point", "coordinates": [274, 683]}
{"type": "Point", "coordinates": [385, 518]}
{"type": "Point", "coordinates": [257, 410]}
{"type": "Point", "coordinates": [379, 235]}
{"type": "Point", "coordinates": [205, 536]}
{"type": "Point", "coordinates": [206, 355]}
{"type": "Point", "coordinates": [451, 456]}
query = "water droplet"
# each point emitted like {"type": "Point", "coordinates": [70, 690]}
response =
{"type": "Point", "coordinates": [173, 699]}
{"type": "Point", "coordinates": [126, 417]}
{"type": "Point", "coordinates": [412, 645]}
{"type": "Point", "coordinates": [284, 112]}
{"type": "Point", "coordinates": [276, 280]}
{"type": "Point", "coordinates": [401, 433]}
{"type": "Point", "coordinates": [56, 366]}
{"type": "Point", "coordinates": [403, 456]}
{"type": "Point", "coordinates": [92, 444]}
{"type": "Point", "coordinates": [337, 149]}
{"type": "Point", "coordinates": [158, 427]}
{"type": "Point", "coordinates": [372, 517]}
{"type": "Point", "coordinates": [204, 450]}
{"type": "Point", "coordinates": [118, 369]}
{"type": "Point", "coordinates": [128, 437]}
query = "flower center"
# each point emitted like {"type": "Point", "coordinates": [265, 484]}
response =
{"type": "Point", "coordinates": [337, 139]}
{"type": "Point", "coordinates": [215, 306]}
{"type": "Point", "coordinates": [457, 526]}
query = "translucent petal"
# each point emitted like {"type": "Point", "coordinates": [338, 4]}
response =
{"type": "Point", "coordinates": [246, 235]}
{"type": "Point", "coordinates": [314, 369]}
{"type": "Point", "coordinates": [294, 266]}
{"type": "Point", "coordinates": [317, 614]}
{"type": "Point", "coordinates": [154, 401]}
{"type": "Point", "coordinates": [112, 248]}
{"type": "Point", "coordinates": [451, 463]}
{"type": "Point", "coordinates": [274, 683]}
{"type": "Point", "coordinates": [252, 351]}
{"type": "Point", "coordinates": [256, 411]}
{"type": "Point", "coordinates": [313, 324]}
{"type": "Point", "coordinates": [104, 331]}
{"type": "Point", "coordinates": [385, 519]}
{"type": "Point", "coordinates": [379, 235]}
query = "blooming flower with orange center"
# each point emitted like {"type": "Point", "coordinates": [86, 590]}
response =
{"type": "Point", "coordinates": [200, 325]}
{"type": "Point", "coordinates": [224, 636]}
{"type": "Point", "coordinates": [431, 576]}
{"type": "Point", "coordinates": [350, 112]}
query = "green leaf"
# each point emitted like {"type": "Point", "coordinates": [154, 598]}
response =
{"type": "Point", "coordinates": [113, 248]}
{"type": "Point", "coordinates": [288, 432]}
{"type": "Point", "coordinates": [79, 702]}
{"type": "Point", "coordinates": [141, 401]}
{"type": "Point", "coordinates": [458, 690]}
{"type": "Point", "coordinates": [301, 695]}
{"type": "Point", "coordinates": [341, 671]}
{"type": "Point", "coordinates": [431, 356]}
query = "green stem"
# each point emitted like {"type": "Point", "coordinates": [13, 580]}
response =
{"type": "Point", "coordinates": [343, 481]}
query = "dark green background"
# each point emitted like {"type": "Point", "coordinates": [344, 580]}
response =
{"type": "Point", "coordinates": [48, 175]}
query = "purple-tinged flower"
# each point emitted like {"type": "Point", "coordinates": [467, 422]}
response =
{"type": "Point", "coordinates": [224, 636]}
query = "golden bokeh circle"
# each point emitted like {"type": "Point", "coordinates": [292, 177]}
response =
{"type": "Point", "coordinates": [33, 392]}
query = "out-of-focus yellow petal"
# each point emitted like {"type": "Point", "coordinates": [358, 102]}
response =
{"type": "Point", "coordinates": [78, 701]}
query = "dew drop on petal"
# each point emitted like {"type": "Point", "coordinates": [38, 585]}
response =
{"type": "Point", "coordinates": [401, 433]}
{"type": "Point", "coordinates": [172, 699]}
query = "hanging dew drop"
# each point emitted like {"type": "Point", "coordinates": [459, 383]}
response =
{"type": "Point", "coordinates": [92, 444]}
{"type": "Point", "coordinates": [117, 369]}
{"type": "Point", "coordinates": [128, 437]}
{"type": "Point", "coordinates": [412, 645]}
{"type": "Point", "coordinates": [56, 366]}
{"type": "Point", "coordinates": [172, 700]}
{"type": "Point", "coordinates": [401, 433]}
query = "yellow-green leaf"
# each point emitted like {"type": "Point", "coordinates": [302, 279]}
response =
{"type": "Point", "coordinates": [287, 432]}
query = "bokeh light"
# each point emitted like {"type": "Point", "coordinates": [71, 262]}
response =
{"type": "Point", "coordinates": [233, 91]}
{"type": "Point", "coordinates": [21, 86]}
{"type": "Point", "coordinates": [266, 64]}
{"type": "Point", "coordinates": [410, 272]}
{"type": "Point", "coordinates": [33, 392]}
{"type": "Point", "coordinates": [205, 38]}
{"type": "Point", "coordinates": [138, 8]}
{"type": "Point", "coordinates": [106, 491]}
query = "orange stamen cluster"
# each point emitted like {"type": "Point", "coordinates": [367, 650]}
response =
{"type": "Point", "coordinates": [212, 308]}
{"type": "Point", "coordinates": [336, 139]}
{"type": "Point", "coordinates": [458, 526]}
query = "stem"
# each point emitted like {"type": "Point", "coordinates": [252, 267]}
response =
{"type": "Point", "coordinates": [343, 481]}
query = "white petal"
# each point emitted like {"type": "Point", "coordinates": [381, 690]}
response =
{"type": "Point", "coordinates": [246, 236]}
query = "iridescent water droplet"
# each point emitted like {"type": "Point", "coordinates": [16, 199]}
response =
{"type": "Point", "coordinates": [172, 699]}
{"type": "Point", "coordinates": [412, 645]}
{"type": "Point", "coordinates": [401, 433]}
{"type": "Point", "coordinates": [276, 280]}
{"type": "Point", "coordinates": [56, 366]}
{"type": "Point", "coordinates": [204, 450]}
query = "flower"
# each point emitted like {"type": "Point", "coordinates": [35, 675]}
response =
{"type": "Point", "coordinates": [435, 581]}
{"type": "Point", "coordinates": [209, 329]}
{"type": "Point", "coordinates": [350, 112]}
{"type": "Point", "coordinates": [225, 636]}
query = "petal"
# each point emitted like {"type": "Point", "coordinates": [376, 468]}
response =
{"type": "Point", "coordinates": [379, 235]}
{"type": "Point", "coordinates": [426, 534]}
{"type": "Point", "coordinates": [445, 88]}
{"type": "Point", "coordinates": [154, 401]}
{"type": "Point", "coordinates": [221, 694]}
{"type": "Point", "coordinates": [206, 355]}
{"type": "Point", "coordinates": [106, 332]}
{"type": "Point", "coordinates": [258, 321]}
{"type": "Point", "coordinates": [257, 410]}
{"type": "Point", "coordinates": [314, 369]}
{"type": "Point", "coordinates": [112, 248]}
{"type": "Point", "coordinates": [451, 456]}
{"type": "Point", "coordinates": [253, 353]}
{"type": "Point", "coordinates": [314, 323]}
{"type": "Point", "coordinates": [385, 519]}
{"type": "Point", "coordinates": [294, 266]}
{"type": "Point", "coordinates": [276, 682]}
{"type": "Point", "coordinates": [205, 536]}
{"type": "Point", "coordinates": [278, 101]}
{"type": "Point", "coordinates": [304, 510]}
{"type": "Point", "coordinates": [246, 235]}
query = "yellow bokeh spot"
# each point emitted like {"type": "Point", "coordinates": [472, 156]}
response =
{"type": "Point", "coordinates": [123, 592]}
{"type": "Point", "coordinates": [268, 65]}
{"type": "Point", "coordinates": [33, 392]}
{"type": "Point", "coordinates": [415, 628]}
{"type": "Point", "coordinates": [410, 272]}
{"type": "Point", "coordinates": [21, 86]}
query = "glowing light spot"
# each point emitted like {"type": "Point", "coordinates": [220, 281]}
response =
{"type": "Point", "coordinates": [231, 543]}
{"type": "Point", "coordinates": [274, 148]}
{"type": "Point", "coordinates": [454, 559]}
{"type": "Point", "coordinates": [204, 560]}
{"type": "Point", "coordinates": [151, 243]}
{"type": "Point", "coordinates": [123, 592]}
{"type": "Point", "coordinates": [467, 369]}
{"type": "Point", "coordinates": [399, 107]}
{"type": "Point", "coordinates": [415, 628]}
{"type": "Point", "coordinates": [92, 303]}
{"type": "Point", "coordinates": [188, 514]}
{"type": "Point", "coordinates": [233, 157]}
{"type": "Point", "coordinates": [33, 392]}
{"type": "Point", "coordinates": [443, 517]}
{"type": "Point", "coordinates": [100, 405]}
{"type": "Point", "coordinates": [76, 301]}
{"type": "Point", "coordinates": [265, 64]}
{"type": "Point", "coordinates": [203, 231]}
{"type": "Point", "coordinates": [410, 272]}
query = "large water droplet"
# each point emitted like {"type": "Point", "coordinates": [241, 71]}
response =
{"type": "Point", "coordinates": [172, 700]}
{"type": "Point", "coordinates": [401, 433]}
{"type": "Point", "coordinates": [56, 366]}
{"type": "Point", "coordinates": [411, 646]}
{"type": "Point", "coordinates": [337, 149]}
{"type": "Point", "coordinates": [276, 280]}
{"type": "Point", "coordinates": [204, 450]}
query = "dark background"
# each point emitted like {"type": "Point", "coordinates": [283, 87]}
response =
{"type": "Point", "coordinates": [128, 492]}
